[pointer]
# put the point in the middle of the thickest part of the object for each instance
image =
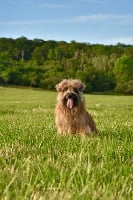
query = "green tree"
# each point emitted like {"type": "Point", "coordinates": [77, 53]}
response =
{"type": "Point", "coordinates": [51, 54]}
{"type": "Point", "coordinates": [6, 63]}
{"type": "Point", "coordinates": [123, 71]}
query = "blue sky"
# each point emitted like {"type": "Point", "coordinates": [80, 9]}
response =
{"type": "Point", "coordinates": [93, 21]}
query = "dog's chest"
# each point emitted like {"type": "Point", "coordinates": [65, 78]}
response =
{"type": "Point", "coordinates": [72, 118]}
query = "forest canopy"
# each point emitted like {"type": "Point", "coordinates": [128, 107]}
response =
{"type": "Point", "coordinates": [39, 63]}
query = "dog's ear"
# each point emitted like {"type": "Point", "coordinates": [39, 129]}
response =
{"type": "Point", "coordinates": [79, 85]}
{"type": "Point", "coordinates": [82, 86]}
{"type": "Point", "coordinates": [58, 87]}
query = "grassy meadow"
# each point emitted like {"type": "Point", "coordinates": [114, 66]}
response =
{"type": "Point", "coordinates": [38, 164]}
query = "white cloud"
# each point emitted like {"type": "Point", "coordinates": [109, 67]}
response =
{"type": "Point", "coordinates": [26, 22]}
{"type": "Point", "coordinates": [50, 5]}
{"type": "Point", "coordinates": [125, 40]}
{"type": "Point", "coordinates": [34, 3]}
{"type": "Point", "coordinates": [118, 19]}
{"type": "Point", "coordinates": [115, 40]}
{"type": "Point", "coordinates": [102, 17]}
{"type": "Point", "coordinates": [92, 1]}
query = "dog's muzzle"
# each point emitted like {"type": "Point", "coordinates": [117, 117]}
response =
{"type": "Point", "coordinates": [70, 100]}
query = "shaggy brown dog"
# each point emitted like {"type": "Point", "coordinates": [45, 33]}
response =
{"type": "Point", "coordinates": [70, 114]}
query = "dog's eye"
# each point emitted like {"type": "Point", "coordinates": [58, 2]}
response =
{"type": "Point", "coordinates": [75, 90]}
{"type": "Point", "coordinates": [65, 89]}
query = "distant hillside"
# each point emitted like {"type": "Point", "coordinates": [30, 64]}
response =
{"type": "Point", "coordinates": [40, 63]}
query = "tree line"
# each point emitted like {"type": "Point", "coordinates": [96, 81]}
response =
{"type": "Point", "coordinates": [39, 63]}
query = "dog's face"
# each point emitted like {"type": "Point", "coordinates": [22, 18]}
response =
{"type": "Point", "coordinates": [70, 92]}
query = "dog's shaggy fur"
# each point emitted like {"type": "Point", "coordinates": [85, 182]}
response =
{"type": "Point", "coordinates": [70, 114]}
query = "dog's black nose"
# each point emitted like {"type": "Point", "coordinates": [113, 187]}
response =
{"type": "Point", "coordinates": [70, 96]}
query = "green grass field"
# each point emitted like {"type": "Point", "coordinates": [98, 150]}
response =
{"type": "Point", "coordinates": [38, 164]}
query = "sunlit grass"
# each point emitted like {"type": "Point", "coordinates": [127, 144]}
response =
{"type": "Point", "coordinates": [36, 163]}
